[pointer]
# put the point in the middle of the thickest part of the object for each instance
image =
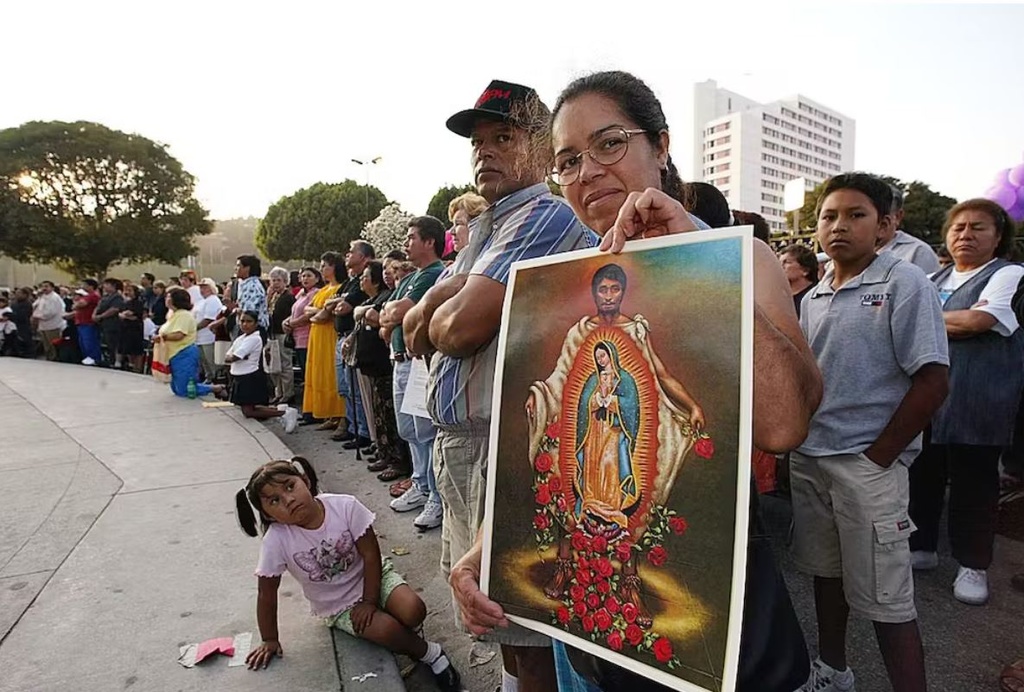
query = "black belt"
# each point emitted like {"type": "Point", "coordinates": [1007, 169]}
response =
{"type": "Point", "coordinates": [399, 358]}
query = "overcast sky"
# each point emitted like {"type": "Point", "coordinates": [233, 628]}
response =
{"type": "Point", "coordinates": [258, 102]}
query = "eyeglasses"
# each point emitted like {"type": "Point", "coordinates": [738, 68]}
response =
{"type": "Point", "coordinates": [608, 148]}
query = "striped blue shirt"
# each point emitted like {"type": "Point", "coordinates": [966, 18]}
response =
{"type": "Point", "coordinates": [525, 225]}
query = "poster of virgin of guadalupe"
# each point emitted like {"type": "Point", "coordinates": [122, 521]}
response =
{"type": "Point", "coordinates": [618, 480]}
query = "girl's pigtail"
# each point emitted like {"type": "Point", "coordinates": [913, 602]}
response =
{"type": "Point", "coordinates": [302, 464]}
{"type": "Point", "coordinates": [245, 514]}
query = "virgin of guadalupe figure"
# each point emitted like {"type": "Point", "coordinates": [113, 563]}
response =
{"type": "Point", "coordinates": [606, 482]}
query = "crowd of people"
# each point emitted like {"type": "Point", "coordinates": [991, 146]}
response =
{"type": "Point", "coordinates": [885, 373]}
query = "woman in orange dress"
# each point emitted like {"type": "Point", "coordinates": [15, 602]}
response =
{"type": "Point", "coordinates": [320, 398]}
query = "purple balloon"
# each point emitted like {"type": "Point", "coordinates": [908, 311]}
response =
{"type": "Point", "coordinates": [1016, 212]}
{"type": "Point", "coordinates": [1016, 175]}
{"type": "Point", "coordinates": [1020, 195]}
{"type": "Point", "coordinates": [1002, 178]}
{"type": "Point", "coordinates": [1003, 195]}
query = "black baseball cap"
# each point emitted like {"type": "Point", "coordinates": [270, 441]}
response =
{"type": "Point", "coordinates": [497, 102]}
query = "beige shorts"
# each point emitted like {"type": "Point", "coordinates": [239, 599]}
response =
{"type": "Point", "coordinates": [850, 521]}
{"type": "Point", "coordinates": [459, 459]}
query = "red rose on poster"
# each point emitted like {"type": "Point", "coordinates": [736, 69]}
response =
{"type": "Point", "coordinates": [577, 593]}
{"type": "Point", "coordinates": [662, 650]}
{"type": "Point", "coordinates": [634, 635]}
{"type": "Point", "coordinates": [629, 612]}
{"type": "Point", "coordinates": [704, 448]}
{"type": "Point", "coordinates": [583, 577]}
{"type": "Point", "coordinates": [579, 541]}
{"type": "Point", "coordinates": [603, 586]}
{"type": "Point", "coordinates": [603, 619]}
{"type": "Point", "coordinates": [623, 551]}
{"type": "Point", "coordinates": [657, 556]}
{"type": "Point", "coordinates": [555, 484]}
{"type": "Point", "coordinates": [580, 609]}
{"type": "Point", "coordinates": [677, 524]}
{"type": "Point", "coordinates": [603, 566]}
{"type": "Point", "coordinates": [563, 615]}
{"type": "Point", "coordinates": [612, 604]}
{"type": "Point", "coordinates": [615, 641]}
{"type": "Point", "coordinates": [541, 521]}
{"type": "Point", "coordinates": [588, 623]}
{"type": "Point", "coordinates": [543, 462]}
{"type": "Point", "coordinates": [543, 496]}
{"type": "Point", "coordinates": [593, 600]}
{"type": "Point", "coordinates": [583, 563]}
{"type": "Point", "coordinates": [560, 503]}
{"type": "Point", "coordinates": [599, 544]}
{"type": "Point", "coordinates": [554, 430]}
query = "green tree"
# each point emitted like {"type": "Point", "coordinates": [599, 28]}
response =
{"type": "Point", "coordinates": [325, 216]}
{"type": "Point", "coordinates": [82, 197]}
{"type": "Point", "coordinates": [438, 206]}
{"type": "Point", "coordinates": [924, 210]}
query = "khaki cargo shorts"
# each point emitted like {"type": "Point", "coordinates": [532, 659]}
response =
{"type": "Point", "coordinates": [850, 521]}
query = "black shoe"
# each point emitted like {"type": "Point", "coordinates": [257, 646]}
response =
{"type": "Point", "coordinates": [371, 449]}
{"type": "Point", "coordinates": [356, 443]}
{"type": "Point", "coordinates": [311, 421]}
{"type": "Point", "coordinates": [448, 680]}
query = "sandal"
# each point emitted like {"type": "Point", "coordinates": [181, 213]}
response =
{"type": "Point", "coordinates": [378, 465]}
{"type": "Point", "coordinates": [1012, 677]}
{"type": "Point", "coordinates": [398, 489]}
{"type": "Point", "coordinates": [393, 473]}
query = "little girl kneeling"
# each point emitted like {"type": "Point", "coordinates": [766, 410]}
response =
{"type": "Point", "coordinates": [327, 543]}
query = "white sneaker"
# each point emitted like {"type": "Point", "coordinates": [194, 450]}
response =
{"type": "Point", "coordinates": [430, 517]}
{"type": "Point", "coordinates": [88, 361]}
{"type": "Point", "coordinates": [971, 586]}
{"type": "Point", "coordinates": [924, 560]}
{"type": "Point", "coordinates": [290, 420]}
{"type": "Point", "coordinates": [825, 678]}
{"type": "Point", "coordinates": [283, 407]}
{"type": "Point", "coordinates": [413, 498]}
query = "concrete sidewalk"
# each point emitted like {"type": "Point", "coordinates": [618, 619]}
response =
{"type": "Point", "coordinates": [118, 541]}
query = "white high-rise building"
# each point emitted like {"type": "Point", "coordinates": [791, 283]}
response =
{"type": "Point", "coordinates": [750, 150]}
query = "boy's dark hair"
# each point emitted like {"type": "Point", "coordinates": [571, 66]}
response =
{"type": "Point", "coordinates": [608, 271]}
{"type": "Point", "coordinates": [397, 255]}
{"type": "Point", "coordinates": [180, 299]}
{"type": "Point", "coordinates": [872, 187]}
{"type": "Point", "coordinates": [253, 263]}
{"type": "Point", "coordinates": [1004, 224]}
{"type": "Point", "coordinates": [637, 102]}
{"type": "Point", "coordinates": [249, 502]}
{"type": "Point", "coordinates": [116, 283]}
{"type": "Point", "coordinates": [91, 283]}
{"type": "Point", "coordinates": [806, 258]}
{"type": "Point", "coordinates": [149, 276]}
{"type": "Point", "coordinates": [430, 228]}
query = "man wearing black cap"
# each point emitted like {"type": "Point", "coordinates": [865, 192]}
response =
{"type": "Point", "coordinates": [460, 317]}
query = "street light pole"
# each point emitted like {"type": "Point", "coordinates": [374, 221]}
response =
{"type": "Point", "coordinates": [366, 189]}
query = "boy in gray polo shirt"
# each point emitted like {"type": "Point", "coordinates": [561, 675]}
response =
{"type": "Point", "coordinates": [875, 325]}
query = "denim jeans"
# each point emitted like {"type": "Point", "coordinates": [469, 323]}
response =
{"type": "Point", "coordinates": [418, 432]}
{"type": "Point", "coordinates": [185, 367]}
{"type": "Point", "coordinates": [345, 378]}
{"type": "Point", "coordinates": [89, 342]}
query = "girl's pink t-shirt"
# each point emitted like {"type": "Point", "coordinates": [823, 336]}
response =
{"type": "Point", "coordinates": [324, 561]}
{"type": "Point", "coordinates": [301, 334]}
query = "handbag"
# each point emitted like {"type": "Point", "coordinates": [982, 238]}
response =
{"type": "Point", "coordinates": [272, 357]}
{"type": "Point", "coordinates": [161, 366]}
{"type": "Point", "coordinates": [372, 355]}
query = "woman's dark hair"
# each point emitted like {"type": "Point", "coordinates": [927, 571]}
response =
{"type": "Point", "coordinates": [749, 218]}
{"type": "Point", "coordinates": [601, 346]}
{"type": "Point", "coordinates": [180, 299]}
{"type": "Point", "coordinates": [1004, 224]}
{"type": "Point", "coordinates": [376, 268]}
{"type": "Point", "coordinates": [117, 284]}
{"type": "Point", "coordinates": [293, 278]}
{"type": "Point", "coordinates": [91, 283]}
{"type": "Point", "coordinates": [253, 263]}
{"type": "Point", "coordinates": [255, 316]}
{"type": "Point", "coordinates": [707, 203]}
{"type": "Point", "coordinates": [333, 259]}
{"type": "Point", "coordinates": [273, 472]}
{"type": "Point", "coordinates": [315, 272]}
{"type": "Point", "coordinates": [638, 103]}
{"type": "Point", "coordinates": [806, 258]}
{"type": "Point", "coordinates": [397, 255]}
